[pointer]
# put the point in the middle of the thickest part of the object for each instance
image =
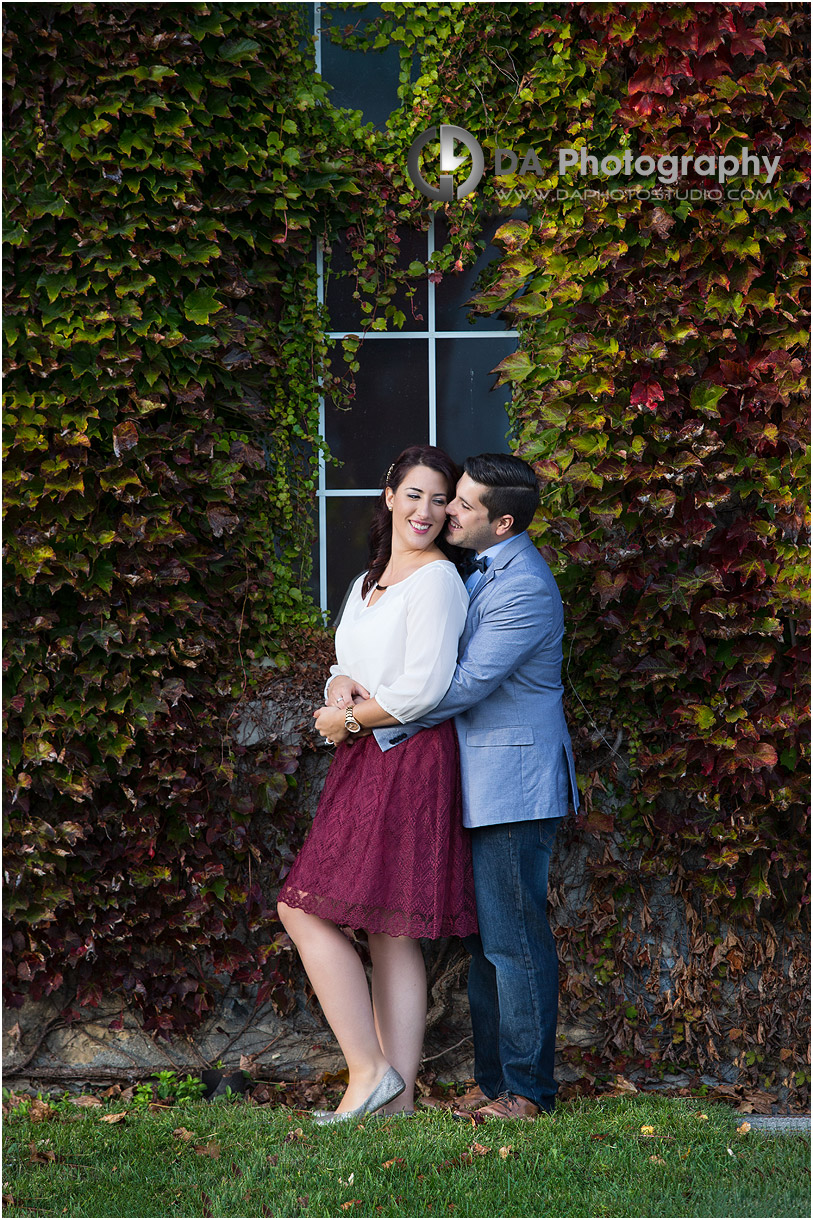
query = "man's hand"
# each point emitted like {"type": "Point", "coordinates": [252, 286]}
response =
{"type": "Point", "coordinates": [344, 691]}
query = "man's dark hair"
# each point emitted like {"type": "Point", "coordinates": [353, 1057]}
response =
{"type": "Point", "coordinates": [513, 487]}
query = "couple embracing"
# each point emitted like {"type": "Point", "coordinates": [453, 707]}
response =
{"type": "Point", "coordinates": [452, 772]}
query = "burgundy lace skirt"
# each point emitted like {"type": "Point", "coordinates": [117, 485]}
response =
{"type": "Point", "coordinates": [387, 851]}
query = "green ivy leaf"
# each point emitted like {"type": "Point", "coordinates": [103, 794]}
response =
{"type": "Point", "coordinates": [200, 305]}
{"type": "Point", "coordinates": [237, 49]}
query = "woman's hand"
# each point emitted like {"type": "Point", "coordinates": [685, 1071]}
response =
{"type": "Point", "coordinates": [343, 692]}
{"type": "Point", "coordinates": [330, 724]}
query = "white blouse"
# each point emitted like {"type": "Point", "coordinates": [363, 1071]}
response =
{"type": "Point", "coordinates": [403, 649]}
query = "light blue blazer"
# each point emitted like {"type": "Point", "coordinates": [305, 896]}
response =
{"type": "Point", "coordinates": [516, 759]}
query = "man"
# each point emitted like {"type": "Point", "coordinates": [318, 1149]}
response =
{"type": "Point", "coordinates": [517, 777]}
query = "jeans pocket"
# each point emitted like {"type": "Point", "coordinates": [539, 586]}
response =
{"type": "Point", "coordinates": [547, 828]}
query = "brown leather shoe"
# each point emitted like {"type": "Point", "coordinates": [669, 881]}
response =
{"type": "Point", "coordinates": [509, 1105]}
{"type": "Point", "coordinates": [473, 1100]}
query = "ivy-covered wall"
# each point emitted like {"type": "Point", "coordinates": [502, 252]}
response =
{"type": "Point", "coordinates": [169, 169]}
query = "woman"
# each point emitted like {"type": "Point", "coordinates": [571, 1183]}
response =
{"type": "Point", "coordinates": [387, 852]}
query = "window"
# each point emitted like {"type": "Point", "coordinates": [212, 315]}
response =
{"type": "Point", "coordinates": [427, 383]}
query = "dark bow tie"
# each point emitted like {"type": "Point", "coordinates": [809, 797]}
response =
{"type": "Point", "coordinates": [477, 563]}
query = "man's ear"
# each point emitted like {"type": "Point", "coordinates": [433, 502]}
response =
{"type": "Point", "coordinates": [504, 526]}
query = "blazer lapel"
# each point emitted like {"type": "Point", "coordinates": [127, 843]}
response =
{"type": "Point", "coordinates": [512, 548]}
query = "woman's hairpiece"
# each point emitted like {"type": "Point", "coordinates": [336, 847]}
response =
{"type": "Point", "coordinates": [388, 475]}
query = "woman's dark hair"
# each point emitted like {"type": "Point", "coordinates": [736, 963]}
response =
{"type": "Point", "coordinates": [380, 536]}
{"type": "Point", "coordinates": [513, 487]}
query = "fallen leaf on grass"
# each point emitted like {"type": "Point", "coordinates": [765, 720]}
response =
{"type": "Point", "coordinates": [126, 1094]}
{"type": "Point", "coordinates": [113, 1118]}
{"type": "Point", "coordinates": [39, 1111]}
{"type": "Point", "coordinates": [647, 1131]}
{"type": "Point", "coordinates": [623, 1088]}
{"type": "Point", "coordinates": [507, 1151]}
{"type": "Point", "coordinates": [183, 1133]}
{"type": "Point", "coordinates": [211, 1149]}
{"type": "Point", "coordinates": [38, 1156]}
{"type": "Point", "coordinates": [465, 1158]}
{"type": "Point", "coordinates": [293, 1136]}
{"type": "Point", "coordinates": [86, 1100]}
{"type": "Point", "coordinates": [350, 1203]}
{"type": "Point", "coordinates": [657, 1160]}
{"type": "Point", "coordinates": [398, 1160]}
{"type": "Point", "coordinates": [743, 1128]}
{"type": "Point", "coordinates": [702, 1118]}
{"type": "Point", "coordinates": [236, 1170]}
{"type": "Point", "coordinates": [207, 1203]}
{"type": "Point", "coordinates": [302, 1200]}
{"type": "Point", "coordinates": [272, 1160]}
{"type": "Point", "coordinates": [349, 1181]}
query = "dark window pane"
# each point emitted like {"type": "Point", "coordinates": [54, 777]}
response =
{"type": "Point", "coordinates": [452, 293]}
{"type": "Point", "coordinates": [389, 412]}
{"type": "Point", "coordinates": [312, 586]}
{"type": "Point", "coordinates": [362, 80]}
{"type": "Point", "coordinates": [471, 416]}
{"type": "Point", "coordinates": [345, 312]}
{"type": "Point", "coordinates": [348, 522]}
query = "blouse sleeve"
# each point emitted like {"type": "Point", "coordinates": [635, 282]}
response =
{"type": "Point", "coordinates": [435, 617]}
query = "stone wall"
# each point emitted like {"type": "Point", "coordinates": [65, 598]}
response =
{"type": "Point", "coordinates": [41, 1051]}
{"type": "Point", "coordinates": [688, 998]}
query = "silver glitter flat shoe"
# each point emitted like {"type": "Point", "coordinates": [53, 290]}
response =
{"type": "Point", "coordinates": [389, 1087]}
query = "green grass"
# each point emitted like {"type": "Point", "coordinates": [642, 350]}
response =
{"type": "Point", "coordinates": [590, 1160]}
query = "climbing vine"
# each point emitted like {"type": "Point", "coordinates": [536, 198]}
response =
{"type": "Point", "coordinates": [170, 169]}
{"type": "Point", "coordinates": [659, 389]}
{"type": "Point", "coordinates": [167, 170]}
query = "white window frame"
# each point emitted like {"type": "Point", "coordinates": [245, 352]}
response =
{"type": "Point", "coordinates": [430, 335]}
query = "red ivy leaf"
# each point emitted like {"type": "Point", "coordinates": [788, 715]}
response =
{"type": "Point", "coordinates": [649, 80]}
{"type": "Point", "coordinates": [125, 438]}
{"type": "Point", "coordinates": [746, 42]}
{"type": "Point", "coordinates": [646, 394]}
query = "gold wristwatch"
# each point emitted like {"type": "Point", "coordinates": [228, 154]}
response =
{"type": "Point", "coordinates": [350, 723]}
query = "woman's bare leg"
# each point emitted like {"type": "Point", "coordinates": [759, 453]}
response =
{"type": "Point", "coordinates": [399, 1004]}
{"type": "Point", "coordinates": [337, 976]}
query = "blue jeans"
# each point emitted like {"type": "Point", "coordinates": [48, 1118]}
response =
{"type": "Point", "coordinates": [514, 970]}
